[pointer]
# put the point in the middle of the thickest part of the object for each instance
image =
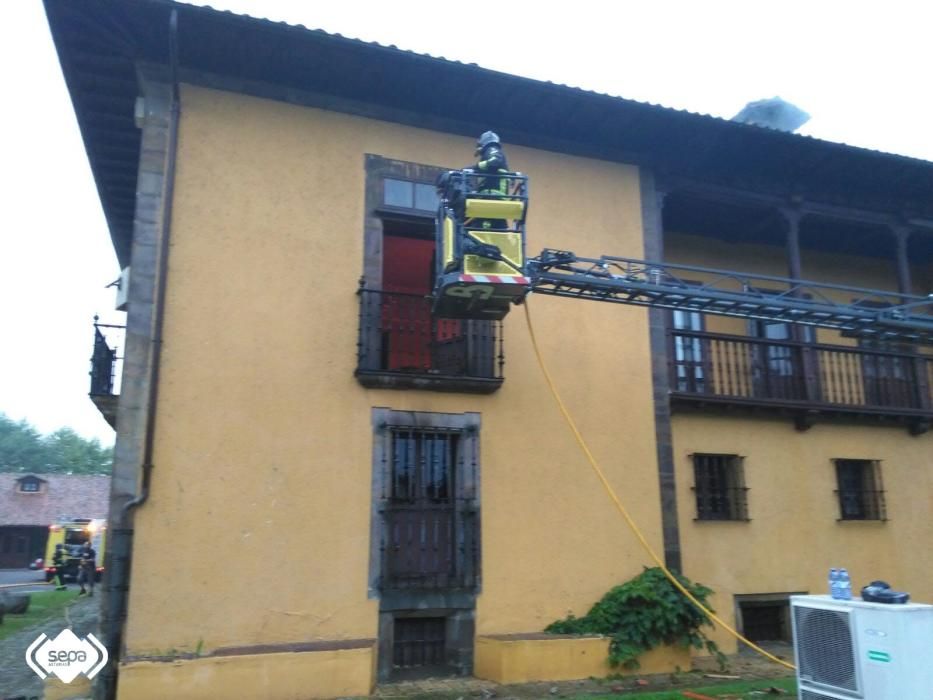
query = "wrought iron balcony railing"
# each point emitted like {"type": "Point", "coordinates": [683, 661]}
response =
{"type": "Point", "coordinates": [401, 345]}
{"type": "Point", "coordinates": [106, 368]}
{"type": "Point", "coordinates": [711, 367]}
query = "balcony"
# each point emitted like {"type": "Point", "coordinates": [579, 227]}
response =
{"type": "Point", "coordinates": [106, 369]}
{"type": "Point", "coordinates": [402, 346]}
{"type": "Point", "coordinates": [805, 380]}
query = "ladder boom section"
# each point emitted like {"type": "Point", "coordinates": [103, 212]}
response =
{"type": "Point", "coordinates": [854, 311]}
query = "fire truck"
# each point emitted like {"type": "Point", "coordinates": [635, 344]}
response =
{"type": "Point", "coordinates": [72, 534]}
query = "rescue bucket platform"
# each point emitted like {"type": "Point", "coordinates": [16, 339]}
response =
{"type": "Point", "coordinates": [480, 237]}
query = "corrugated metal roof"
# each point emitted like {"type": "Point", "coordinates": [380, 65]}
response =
{"type": "Point", "coordinates": [100, 42]}
{"type": "Point", "coordinates": [565, 86]}
{"type": "Point", "coordinates": [654, 105]}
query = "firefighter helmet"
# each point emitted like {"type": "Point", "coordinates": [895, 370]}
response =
{"type": "Point", "coordinates": [487, 138]}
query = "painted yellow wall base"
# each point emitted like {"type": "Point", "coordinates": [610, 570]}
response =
{"type": "Point", "coordinates": [285, 676]}
{"type": "Point", "coordinates": [54, 689]}
{"type": "Point", "coordinates": [514, 659]}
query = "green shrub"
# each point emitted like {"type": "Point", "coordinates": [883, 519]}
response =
{"type": "Point", "coordinates": [645, 613]}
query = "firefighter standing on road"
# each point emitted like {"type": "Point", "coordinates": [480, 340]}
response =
{"type": "Point", "coordinates": [88, 569]}
{"type": "Point", "coordinates": [58, 561]}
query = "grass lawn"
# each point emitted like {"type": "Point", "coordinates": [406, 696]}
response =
{"type": "Point", "coordinates": [44, 605]}
{"type": "Point", "coordinates": [739, 690]}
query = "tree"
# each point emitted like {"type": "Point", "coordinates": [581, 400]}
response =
{"type": "Point", "coordinates": [24, 449]}
{"type": "Point", "coordinates": [68, 451]}
{"type": "Point", "coordinates": [21, 447]}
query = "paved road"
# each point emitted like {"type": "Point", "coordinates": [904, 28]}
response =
{"type": "Point", "coordinates": [21, 576]}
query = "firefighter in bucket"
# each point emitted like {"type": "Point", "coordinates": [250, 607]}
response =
{"type": "Point", "coordinates": [491, 160]}
{"type": "Point", "coordinates": [481, 236]}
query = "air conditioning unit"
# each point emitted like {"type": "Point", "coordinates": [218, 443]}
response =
{"type": "Point", "coordinates": [850, 649]}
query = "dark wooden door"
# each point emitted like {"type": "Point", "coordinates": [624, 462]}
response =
{"type": "Point", "coordinates": [889, 378]}
{"type": "Point", "coordinates": [421, 546]}
{"type": "Point", "coordinates": [778, 371]}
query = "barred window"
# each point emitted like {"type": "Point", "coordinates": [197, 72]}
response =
{"type": "Point", "coordinates": [422, 465]}
{"type": "Point", "coordinates": [425, 524]}
{"type": "Point", "coordinates": [720, 487]}
{"type": "Point", "coordinates": [861, 493]}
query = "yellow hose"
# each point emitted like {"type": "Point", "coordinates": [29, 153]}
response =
{"type": "Point", "coordinates": [615, 499]}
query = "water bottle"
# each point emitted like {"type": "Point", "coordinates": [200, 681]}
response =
{"type": "Point", "coordinates": [834, 583]}
{"type": "Point", "coordinates": [845, 585]}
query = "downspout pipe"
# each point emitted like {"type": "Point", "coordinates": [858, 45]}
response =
{"type": "Point", "coordinates": [167, 196]}
{"type": "Point", "coordinates": [120, 579]}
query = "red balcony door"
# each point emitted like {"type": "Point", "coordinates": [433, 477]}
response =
{"type": "Point", "coordinates": [406, 264]}
{"type": "Point", "coordinates": [406, 315]}
{"type": "Point", "coordinates": [413, 340]}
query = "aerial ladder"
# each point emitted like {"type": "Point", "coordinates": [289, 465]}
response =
{"type": "Point", "coordinates": [482, 270]}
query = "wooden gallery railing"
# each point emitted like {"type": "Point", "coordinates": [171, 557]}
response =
{"type": "Point", "coordinates": [763, 371]}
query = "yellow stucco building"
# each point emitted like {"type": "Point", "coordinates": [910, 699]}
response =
{"type": "Point", "coordinates": [318, 485]}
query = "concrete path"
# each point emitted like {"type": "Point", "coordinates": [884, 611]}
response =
{"type": "Point", "coordinates": [23, 580]}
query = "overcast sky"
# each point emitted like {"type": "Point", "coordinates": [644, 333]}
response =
{"type": "Point", "coordinates": [861, 69]}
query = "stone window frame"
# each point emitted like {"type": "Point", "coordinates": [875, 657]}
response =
{"type": "Point", "coordinates": [745, 600]}
{"type": "Point", "coordinates": [378, 169]}
{"type": "Point", "coordinates": [458, 607]}
{"type": "Point", "coordinates": [488, 348]}
{"type": "Point", "coordinates": [383, 419]}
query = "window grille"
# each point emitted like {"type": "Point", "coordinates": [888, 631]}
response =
{"type": "Point", "coordinates": [422, 465]}
{"type": "Point", "coordinates": [426, 536]}
{"type": "Point", "coordinates": [419, 642]}
{"type": "Point", "coordinates": [860, 491]}
{"type": "Point", "coordinates": [766, 621]}
{"type": "Point", "coordinates": [720, 487]}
